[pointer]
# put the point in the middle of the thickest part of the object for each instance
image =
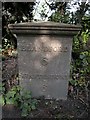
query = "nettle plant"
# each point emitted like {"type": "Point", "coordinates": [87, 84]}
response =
{"type": "Point", "coordinates": [20, 98]}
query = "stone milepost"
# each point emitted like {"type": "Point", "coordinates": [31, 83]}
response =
{"type": "Point", "coordinates": [44, 56]}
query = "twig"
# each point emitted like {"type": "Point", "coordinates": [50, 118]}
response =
{"type": "Point", "coordinates": [83, 101]}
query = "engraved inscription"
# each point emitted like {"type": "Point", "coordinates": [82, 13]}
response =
{"type": "Point", "coordinates": [44, 49]}
{"type": "Point", "coordinates": [44, 61]}
{"type": "Point", "coordinates": [40, 77]}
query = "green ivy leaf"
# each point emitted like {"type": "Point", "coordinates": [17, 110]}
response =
{"type": "Point", "coordinates": [10, 100]}
{"type": "Point", "coordinates": [10, 94]}
{"type": "Point", "coordinates": [24, 112]}
{"type": "Point", "coordinates": [1, 100]}
{"type": "Point", "coordinates": [33, 107]}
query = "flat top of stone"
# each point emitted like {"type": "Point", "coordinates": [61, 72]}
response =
{"type": "Point", "coordinates": [44, 28]}
{"type": "Point", "coordinates": [44, 24]}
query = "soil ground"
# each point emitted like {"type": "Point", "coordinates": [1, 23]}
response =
{"type": "Point", "coordinates": [71, 108]}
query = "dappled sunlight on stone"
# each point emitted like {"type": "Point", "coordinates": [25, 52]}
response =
{"type": "Point", "coordinates": [47, 49]}
{"type": "Point", "coordinates": [55, 49]}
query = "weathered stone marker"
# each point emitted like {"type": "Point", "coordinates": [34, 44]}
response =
{"type": "Point", "coordinates": [44, 55]}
